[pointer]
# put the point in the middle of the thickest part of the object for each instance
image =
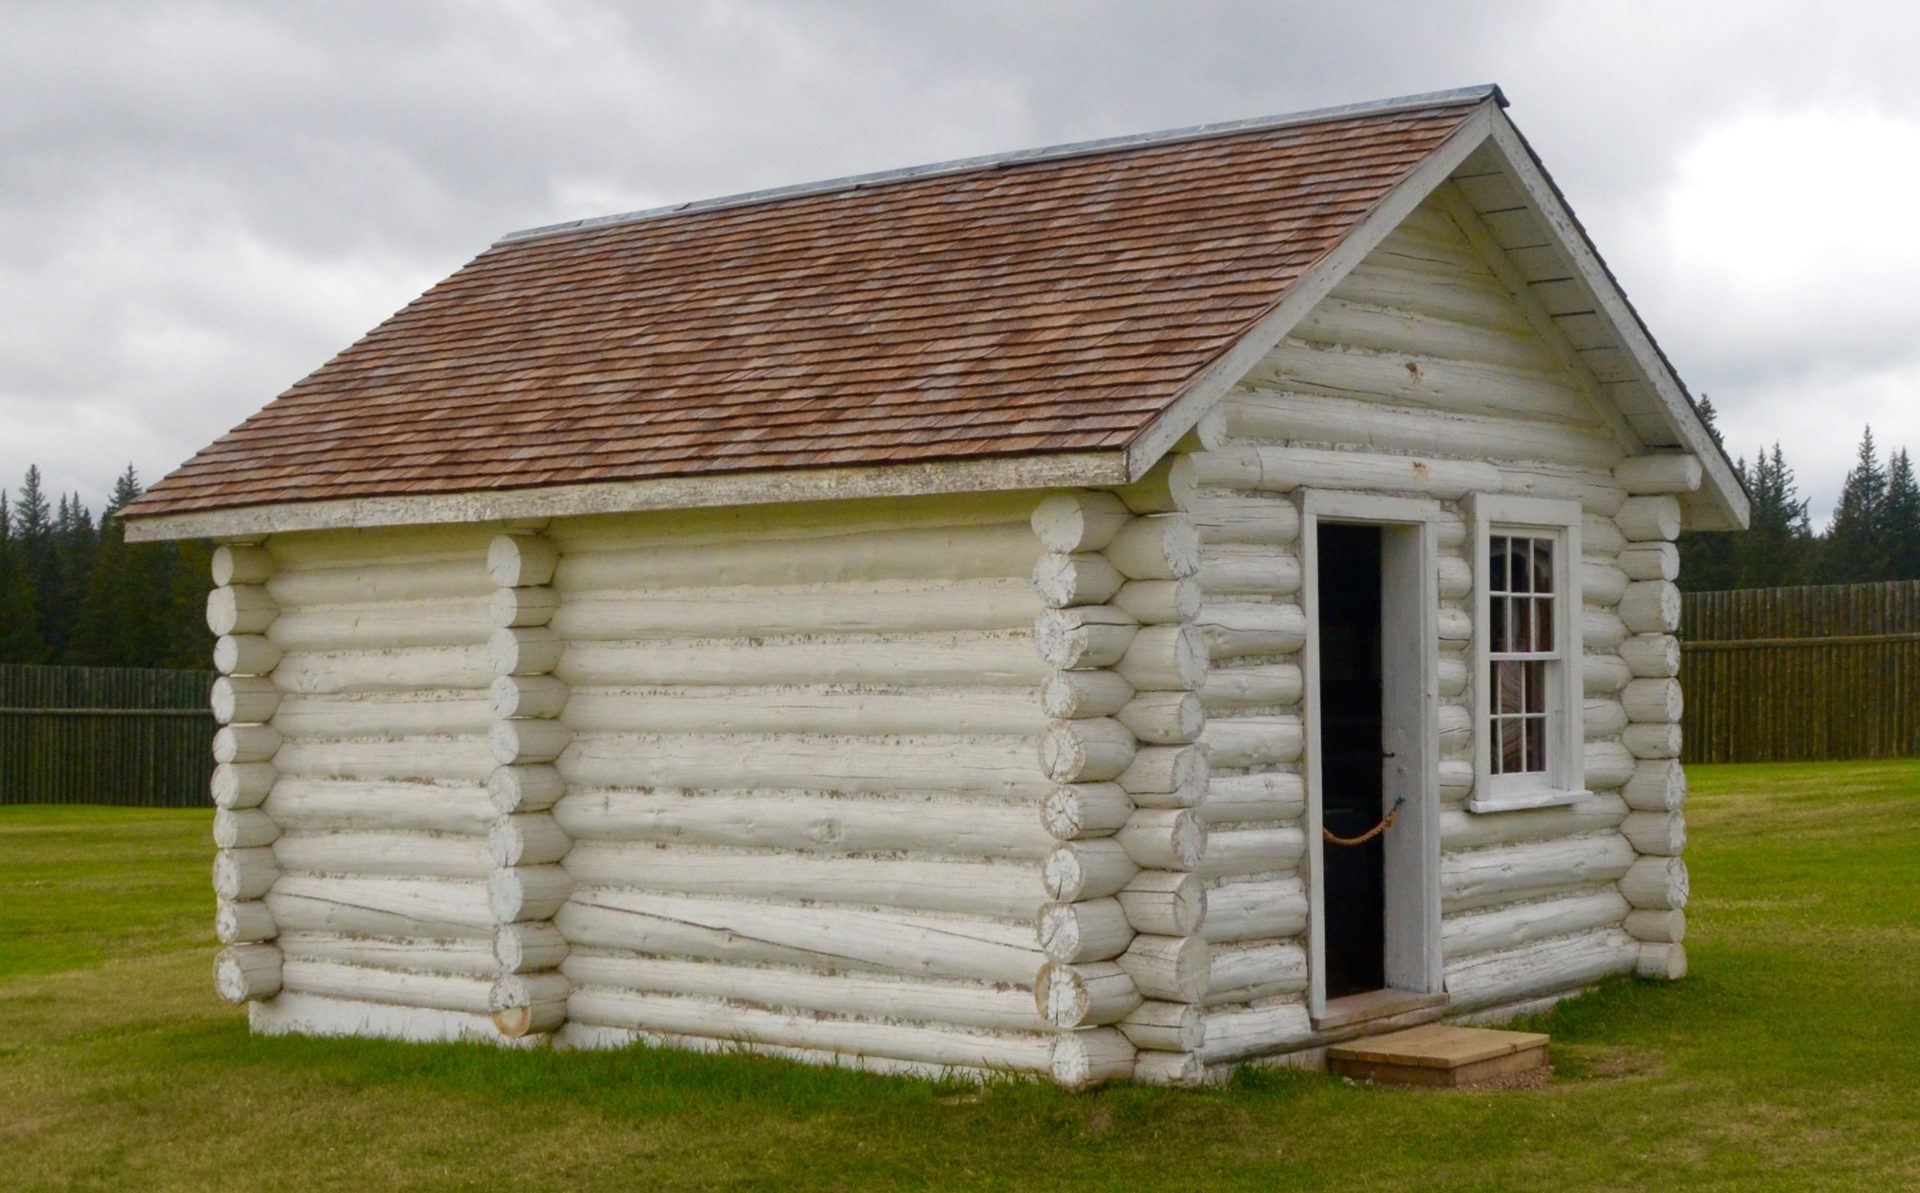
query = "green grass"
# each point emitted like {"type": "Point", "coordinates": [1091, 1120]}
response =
{"type": "Point", "coordinates": [1789, 1059]}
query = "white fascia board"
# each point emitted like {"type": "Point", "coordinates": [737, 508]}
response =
{"type": "Point", "coordinates": [770, 487]}
{"type": "Point", "coordinates": [1211, 385]}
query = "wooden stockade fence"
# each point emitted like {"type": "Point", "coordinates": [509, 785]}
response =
{"type": "Point", "coordinates": [105, 735]}
{"type": "Point", "coordinates": [1802, 674]}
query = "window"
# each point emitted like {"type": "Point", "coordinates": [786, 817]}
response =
{"type": "Point", "coordinates": [1529, 740]}
{"type": "Point", "coordinates": [1523, 653]}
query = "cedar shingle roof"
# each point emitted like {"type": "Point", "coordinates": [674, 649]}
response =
{"type": "Point", "coordinates": [1037, 304]}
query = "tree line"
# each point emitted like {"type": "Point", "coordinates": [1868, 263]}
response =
{"type": "Point", "coordinates": [74, 591]}
{"type": "Point", "coordinates": [1874, 535]}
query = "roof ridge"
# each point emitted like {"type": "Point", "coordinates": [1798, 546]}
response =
{"type": "Point", "coordinates": [1431, 99]}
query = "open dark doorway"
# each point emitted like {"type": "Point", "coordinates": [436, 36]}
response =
{"type": "Point", "coordinates": [1352, 736]}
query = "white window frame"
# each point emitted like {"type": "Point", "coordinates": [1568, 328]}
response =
{"type": "Point", "coordinates": [1565, 780]}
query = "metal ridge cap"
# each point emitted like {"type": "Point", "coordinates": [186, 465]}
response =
{"type": "Point", "coordinates": [1432, 99]}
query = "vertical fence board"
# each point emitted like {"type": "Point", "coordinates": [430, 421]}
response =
{"type": "Point", "coordinates": [105, 735]}
{"type": "Point", "coordinates": [1811, 674]}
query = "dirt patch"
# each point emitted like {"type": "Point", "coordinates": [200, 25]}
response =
{"type": "Point", "coordinates": [1588, 1063]}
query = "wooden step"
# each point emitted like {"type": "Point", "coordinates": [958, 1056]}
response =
{"type": "Point", "coordinates": [1437, 1054]}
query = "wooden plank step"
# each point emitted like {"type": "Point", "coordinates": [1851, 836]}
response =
{"type": "Point", "coordinates": [1439, 1054]}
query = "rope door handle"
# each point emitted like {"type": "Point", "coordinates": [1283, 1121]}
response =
{"type": "Point", "coordinates": [1386, 822]}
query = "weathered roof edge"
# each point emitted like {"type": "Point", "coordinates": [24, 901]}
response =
{"type": "Point", "coordinates": [1462, 96]}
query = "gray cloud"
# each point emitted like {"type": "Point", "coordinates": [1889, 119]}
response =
{"type": "Point", "coordinates": [202, 201]}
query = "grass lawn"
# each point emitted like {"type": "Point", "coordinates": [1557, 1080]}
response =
{"type": "Point", "coordinates": [1789, 1059]}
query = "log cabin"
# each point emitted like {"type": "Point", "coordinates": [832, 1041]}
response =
{"type": "Point", "coordinates": [1117, 611]}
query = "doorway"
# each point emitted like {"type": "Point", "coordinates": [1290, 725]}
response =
{"type": "Point", "coordinates": [1373, 753]}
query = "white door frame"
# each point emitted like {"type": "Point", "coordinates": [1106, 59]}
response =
{"type": "Point", "coordinates": [1410, 710]}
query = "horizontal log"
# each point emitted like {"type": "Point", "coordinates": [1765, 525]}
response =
{"type": "Point", "coordinates": [1663, 473]}
{"type": "Point", "coordinates": [1082, 579]}
{"type": "Point", "coordinates": [516, 894]}
{"type": "Point", "coordinates": [242, 784]}
{"type": "Point", "coordinates": [1452, 676]}
{"type": "Point", "coordinates": [1315, 418]}
{"type": "Point", "coordinates": [1455, 577]}
{"type": "Point", "coordinates": [1659, 927]}
{"type": "Point", "coordinates": [244, 873]}
{"type": "Point", "coordinates": [1657, 785]}
{"type": "Point", "coordinates": [1236, 629]}
{"type": "Point", "coordinates": [510, 608]}
{"type": "Point", "coordinates": [1524, 923]}
{"type": "Point", "coordinates": [1174, 968]}
{"type": "Point", "coordinates": [358, 546]}
{"type": "Point", "coordinates": [1455, 725]}
{"type": "Point", "coordinates": [1165, 1026]}
{"type": "Point", "coordinates": [363, 983]}
{"type": "Point", "coordinates": [1453, 627]}
{"type": "Point", "coordinates": [1167, 776]}
{"type": "Point", "coordinates": [243, 828]}
{"type": "Point", "coordinates": [1477, 830]}
{"type": "Point", "coordinates": [1095, 930]}
{"type": "Point", "coordinates": [1662, 962]}
{"type": "Point", "coordinates": [530, 741]}
{"type": "Point", "coordinates": [1077, 810]}
{"type": "Point", "coordinates": [1089, 751]}
{"type": "Point", "coordinates": [527, 696]}
{"type": "Point", "coordinates": [422, 759]}
{"type": "Point", "coordinates": [243, 922]}
{"type": "Point", "coordinates": [428, 668]}
{"type": "Point", "coordinates": [527, 839]}
{"type": "Point", "coordinates": [1603, 719]}
{"type": "Point", "coordinates": [236, 564]}
{"type": "Point", "coordinates": [1254, 521]}
{"type": "Point", "coordinates": [525, 1005]}
{"type": "Point", "coordinates": [793, 820]}
{"type": "Point", "coordinates": [991, 765]}
{"type": "Point", "coordinates": [1649, 519]}
{"type": "Point", "coordinates": [381, 627]}
{"type": "Point", "coordinates": [527, 947]}
{"type": "Point", "coordinates": [1165, 902]}
{"type": "Point", "coordinates": [441, 908]}
{"type": "Point", "coordinates": [1077, 870]}
{"type": "Point", "coordinates": [1602, 583]}
{"type": "Point", "coordinates": [456, 713]}
{"type": "Point", "coordinates": [1663, 834]}
{"type": "Point", "coordinates": [1244, 909]}
{"type": "Point", "coordinates": [1081, 521]}
{"type": "Point", "coordinates": [1652, 741]}
{"type": "Point", "coordinates": [317, 805]}
{"type": "Point", "coordinates": [1073, 996]}
{"type": "Point", "coordinates": [246, 743]}
{"type": "Point", "coordinates": [245, 654]}
{"type": "Point", "coordinates": [1165, 658]}
{"type": "Point", "coordinates": [514, 560]}
{"type": "Point", "coordinates": [805, 710]}
{"type": "Point", "coordinates": [1241, 742]}
{"type": "Point", "coordinates": [1601, 630]}
{"type": "Point", "coordinates": [767, 610]}
{"type": "Point", "coordinates": [914, 944]}
{"type": "Point", "coordinates": [531, 650]}
{"type": "Point", "coordinates": [1248, 972]}
{"type": "Point", "coordinates": [1657, 883]}
{"type": "Point", "coordinates": [1541, 968]}
{"type": "Point", "coordinates": [1234, 1033]}
{"type": "Point", "coordinates": [1600, 536]}
{"type": "Point", "coordinates": [1008, 890]}
{"type": "Point", "coordinates": [532, 788]}
{"type": "Point", "coordinates": [1652, 656]}
{"type": "Point", "coordinates": [240, 609]}
{"type": "Point", "coordinates": [1070, 694]}
{"type": "Point", "coordinates": [958, 1004]}
{"type": "Point", "coordinates": [453, 958]}
{"type": "Point", "coordinates": [1087, 637]}
{"type": "Point", "coordinates": [1257, 686]}
{"type": "Point", "coordinates": [381, 581]}
{"type": "Point", "coordinates": [972, 658]}
{"type": "Point", "coordinates": [1231, 569]}
{"type": "Point", "coordinates": [1269, 795]}
{"type": "Point", "coordinates": [1176, 1069]}
{"type": "Point", "coordinates": [1484, 877]}
{"type": "Point", "coordinates": [1241, 851]}
{"type": "Point", "coordinates": [247, 972]}
{"type": "Point", "coordinates": [1163, 838]}
{"type": "Point", "coordinates": [244, 699]}
{"type": "Point", "coordinates": [1651, 561]}
{"type": "Point", "coordinates": [1655, 700]}
{"type": "Point", "coordinates": [1159, 602]}
{"type": "Point", "coordinates": [998, 550]}
{"type": "Point", "coordinates": [1164, 718]}
{"type": "Point", "coordinates": [1160, 547]}
{"type": "Point", "coordinates": [1456, 779]}
{"type": "Point", "coordinates": [1651, 607]}
{"type": "Point", "coordinates": [1604, 674]}
{"type": "Point", "coordinates": [1607, 765]}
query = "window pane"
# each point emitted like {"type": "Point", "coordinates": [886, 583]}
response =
{"type": "Point", "coordinates": [1517, 568]}
{"type": "Point", "coordinates": [1507, 687]}
{"type": "Point", "coordinates": [1543, 624]}
{"type": "Point", "coordinates": [1535, 686]}
{"type": "Point", "coordinates": [1542, 565]}
{"type": "Point", "coordinates": [1497, 564]}
{"type": "Point", "coordinates": [1536, 744]}
{"type": "Point", "coordinates": [1523, 623]}
{"type": "Point", "coordinates": [1511, 761]}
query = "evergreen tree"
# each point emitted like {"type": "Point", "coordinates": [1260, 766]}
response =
{"type": "Point", "coordinates": [1708, 559]}
{"type": "Point", "coordinates": [1900, 520]}
{"type": "Point", "coordinates": [33, 531]}
{"type": "Point", "coordinates": [1854, 550]}
{"type": "Point", "coordinates": [19, 620]}
{"type": "Point", "coordinates": [1777, 548]}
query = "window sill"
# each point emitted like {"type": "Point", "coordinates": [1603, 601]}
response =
{"type": "Point", "coordinates": [1520, 801]}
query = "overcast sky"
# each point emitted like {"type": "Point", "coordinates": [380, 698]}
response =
{"type": "Point", "coordinates": [200, 202]}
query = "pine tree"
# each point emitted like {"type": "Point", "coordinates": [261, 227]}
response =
{"type": "Point", "coordinates": [1708, 559]}
{"type": "Point", "coordinates": [1778, 547]}
{"type": "Point", "coordinates": [1900, 521]}
{"type": "Point", "coordinates": [1854, 549]}
{"type": "Point", "coordinates": [19, 621]}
